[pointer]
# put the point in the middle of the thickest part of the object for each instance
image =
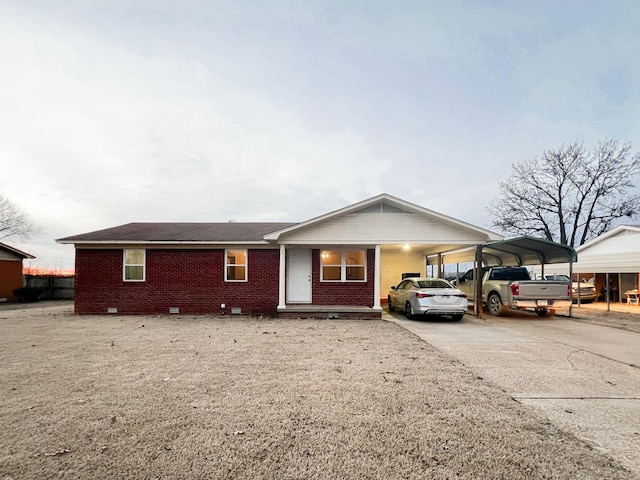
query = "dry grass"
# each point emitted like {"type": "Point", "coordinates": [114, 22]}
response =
{"type": "Point", "coordinates": [195, 397]}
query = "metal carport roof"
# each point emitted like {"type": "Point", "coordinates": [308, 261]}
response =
{"type": "Point", "coordinates": [517, 251]}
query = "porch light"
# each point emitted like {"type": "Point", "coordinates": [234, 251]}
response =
{"type": "Point", "coordinates": [406, 247]}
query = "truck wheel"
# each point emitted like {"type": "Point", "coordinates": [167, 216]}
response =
{"type": "Point", "coordinates": [495, 305]}
{"type": "Point", "coordinates": [389, 304]}
{"type": "Point", "coordinates": [408, 311]}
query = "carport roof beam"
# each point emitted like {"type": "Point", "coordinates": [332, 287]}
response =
{"type": "Point", "coordinates": [527, 250]}
{"type": "Point", "coordinates": [523, 251]}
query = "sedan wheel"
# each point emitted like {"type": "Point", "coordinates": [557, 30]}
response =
{"type": "Point", "coordinates": [390, 304]}
{"type": "Point", "coordinates": [408, 311]}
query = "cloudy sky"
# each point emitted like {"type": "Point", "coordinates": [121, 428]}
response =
{"type": "Point", "coordinates": [209, 110]}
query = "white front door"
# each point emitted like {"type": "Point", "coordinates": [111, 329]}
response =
{"type": "Point", "coordinates": [298, 276]}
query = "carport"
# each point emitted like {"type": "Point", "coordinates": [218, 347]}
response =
{"type": "Point", "coordinates": [512, 252]}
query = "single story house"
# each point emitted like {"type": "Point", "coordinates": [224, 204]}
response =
{"type": "Point", "coordinates": [11, 271]}
{"type": "Point", "coordinates": [338, 264]}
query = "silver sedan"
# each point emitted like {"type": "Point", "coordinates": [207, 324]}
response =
{"type": "Point", "coordinates": [427, 296]}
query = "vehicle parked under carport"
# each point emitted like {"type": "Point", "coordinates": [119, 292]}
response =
{"type": "Point", "coordinates": [428, 296]}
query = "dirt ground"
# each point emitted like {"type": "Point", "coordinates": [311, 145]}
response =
{"type": "Point", "coordinates": [218, 397]}
{"type": "Point", "coordinates": [625, 318]}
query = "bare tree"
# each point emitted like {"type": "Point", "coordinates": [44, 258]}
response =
{"type": "Point", "coordinates": [568, 195]}
{"type": "Point", "coordinates": [13, 221]}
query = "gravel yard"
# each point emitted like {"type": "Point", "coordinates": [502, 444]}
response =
{"type": "Point", "coordinates": [239, 397]}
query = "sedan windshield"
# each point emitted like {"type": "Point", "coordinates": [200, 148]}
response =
{"type": "Point", "coordinates": [433, 284]}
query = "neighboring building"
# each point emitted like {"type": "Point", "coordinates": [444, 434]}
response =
{"type": "Point", "coordinates": [616, 253]}
{"type": "Point", "coordinates": [341, 263]}
{"type": "Point", "coordinates": [11, 271]}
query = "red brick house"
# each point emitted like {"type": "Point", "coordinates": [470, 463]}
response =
{"type": "Point", "coordinates": [339, 264]}
{"type": "Point", "coordinates": [10, 271]}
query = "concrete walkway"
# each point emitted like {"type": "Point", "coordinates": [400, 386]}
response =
{"type": "Point", "coordinates": [583, 377]}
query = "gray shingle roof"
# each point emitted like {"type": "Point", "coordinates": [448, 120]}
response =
{"type": "Point", "coordinates": [181, 232]}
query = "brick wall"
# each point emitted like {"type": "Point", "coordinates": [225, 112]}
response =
{"type": "Point", "coordinates": [192, 280]}
{"type": "Point", "coordinates": [343, 293]}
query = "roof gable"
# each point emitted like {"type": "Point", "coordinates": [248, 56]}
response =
{"type": "Point", "coordinates": [384, 219]}
{"type": "Point", "coordinates": [623, 238]}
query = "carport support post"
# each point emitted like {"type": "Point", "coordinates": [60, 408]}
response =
{"type": "Point", "coordinates": [571, 289]}
{"type": "Point", "coordinates": [607, 288]}
{"type": "Point", "coordinates": [477, 302]}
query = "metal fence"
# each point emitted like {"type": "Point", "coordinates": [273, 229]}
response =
{"type": "Point", "coordinates": [53, 288]}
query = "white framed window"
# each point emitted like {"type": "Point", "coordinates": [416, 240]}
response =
{"type": "Point", "coordinates": [235, 265]}
{"type": "Point", "coordinates": [133, 265]}
{"type": "Point", "coordinates": [343, 266]}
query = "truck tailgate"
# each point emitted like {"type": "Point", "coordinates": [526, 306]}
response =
{"type": "Point", "coordinates": [543, 290]}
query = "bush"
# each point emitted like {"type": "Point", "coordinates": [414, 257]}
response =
{"type": "Point", "coordinates": [28, 294]}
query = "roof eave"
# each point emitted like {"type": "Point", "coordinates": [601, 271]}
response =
{"type": "Point", "coordinates": [162, 242]}
{"type": "Point", "coordinates": [16, 252]}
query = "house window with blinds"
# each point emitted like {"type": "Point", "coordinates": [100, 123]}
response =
{"type": "Point", "coordinates": [134, 262]}
{"type": "Point", "coordinates": [236, 266]}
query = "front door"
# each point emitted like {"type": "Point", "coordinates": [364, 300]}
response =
{"type": "Point", "coordinates": [299, 276]}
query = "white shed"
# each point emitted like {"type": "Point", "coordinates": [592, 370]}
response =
{"type": "Point", "coordinates": [617, 250]}
{"type": "Point", "coordinates": [617, 253]}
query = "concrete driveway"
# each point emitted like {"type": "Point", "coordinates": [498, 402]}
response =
{"type": "Point", "coordinates": [584, 378]}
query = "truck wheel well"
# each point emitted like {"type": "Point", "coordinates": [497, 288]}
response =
{"type": "Point", "coordinates": [486, 301]}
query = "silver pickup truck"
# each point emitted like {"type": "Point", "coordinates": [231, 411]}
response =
{"type": "Point", "coordinates": [506, 288]}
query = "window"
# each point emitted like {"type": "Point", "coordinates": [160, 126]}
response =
{"type": "Point", "coordinates": [343, 265]}
{"type": "Point", "coordinates": [134, 265]}
{"type": "Point", "coordinates": [236, 266]}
